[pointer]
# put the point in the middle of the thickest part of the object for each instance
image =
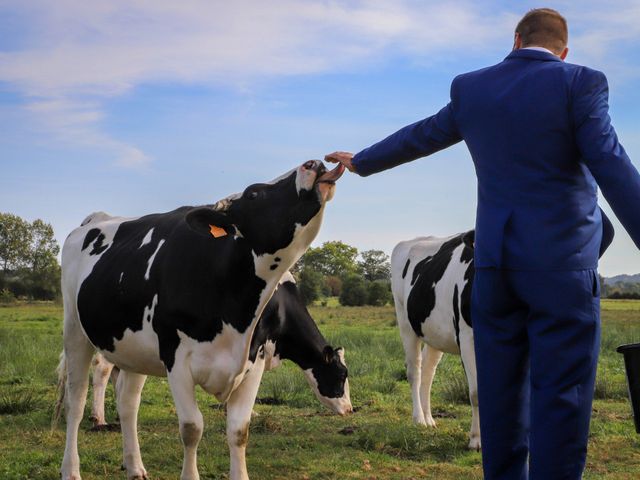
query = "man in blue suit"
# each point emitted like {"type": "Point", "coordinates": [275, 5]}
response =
{"type": "Point", "coordinates": [540, 136]}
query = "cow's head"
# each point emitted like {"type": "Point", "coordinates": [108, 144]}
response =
{"type": "Point", "coordinates": [279, 218]}
{"type": "Point", "coordinates": [329, 381]}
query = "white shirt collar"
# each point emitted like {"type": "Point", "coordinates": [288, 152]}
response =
{"type": "Point", "coordinates": [539, 49]}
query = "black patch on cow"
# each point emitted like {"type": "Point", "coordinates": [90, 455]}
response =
{"type": "Point", "coordinates": [406, 267]}
{"type": "Point", "coordinates": [466, 294]}
{"type": "Point", "coordinates": [298, 339]}
{"type": "Point", "coordinates": [96, 237]}
{"type": "Point", "coordinates": [274, 266]}
{"type": "Point", "coordinates": [456, 314]}
{"type": "Point", "coordinates": [426, 274]}
{"type": "Point", "coordinates": [201, 283]}
{"type": "Point", "coordinates": [416, 271]}
{"type": "Point", "coordinates": [467, 257]}
{"type": "Point", "coordinates": [98, 247]}
{"type": "Point", "coordinates": [90, 237]}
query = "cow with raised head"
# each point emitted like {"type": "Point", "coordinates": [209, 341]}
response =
{"type": "Point", "coordinates": [431, 280]}
{"type": "Point", "coordinates": [179, 294]}
{"type": "Point", "coordinates": [288, 332]}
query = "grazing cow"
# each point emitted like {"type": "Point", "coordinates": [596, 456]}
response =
{"type": "Point", "coordinates": [431, 280]}
{"type": "Point", "coordinates": [289, 333]}
{"type": "Point", "coordinates": [179, 294]}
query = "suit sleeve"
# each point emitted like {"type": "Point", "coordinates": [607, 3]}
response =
{"type": "Point", "coordinates": [409, 143]}
{"type": "Point", "coordinates": [601, 151]}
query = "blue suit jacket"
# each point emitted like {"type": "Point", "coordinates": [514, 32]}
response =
{"type": "Point", "coordinates": [540, 136]}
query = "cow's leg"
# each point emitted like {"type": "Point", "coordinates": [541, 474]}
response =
{"type": "Point", "coordinates": [430, 359]}
{"type": "Point", "coordinates": [413, 358]}
{"type": "Point", "coordinates": [128, 390]}
{"type": "Point", "coordinates": [469, 361]}
{"type": "Point", "coordinates": [189, 416]}
{"type": "Point", "coordinates": [101, 372]}
{"type": "Point", "coordinates": [78, 352]}
{"type": "Point", "coordinates": [239, 407]}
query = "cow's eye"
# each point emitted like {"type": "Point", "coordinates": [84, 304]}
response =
{"type": "Point", "coordinates": [252, 195]}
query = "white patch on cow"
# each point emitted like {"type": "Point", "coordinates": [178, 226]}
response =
{"type": "Point", "coordinates": [217, 366]}
{"type": "Point", "coordinates": [148, 313]}
{"type": "Point", "coordinates": [340, 405]}
{"type": "Point", "coordinates": [282, 177]}
{"type": "Point", "coordinates": [271, 359]}
{"type": "Point", "coordinates": [138, 351]}
{"type": "Point", "coordinates": [151, 259]}
{"type": "Point", "coordinates": [302, 238]}
{"type": "Point", "coordinates": [121, 276]}
{"type": "Point", "coordinates": [147, 238]}
{"type": "Point", "coordinates": [95, 217]}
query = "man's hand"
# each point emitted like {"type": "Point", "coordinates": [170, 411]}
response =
{"type": "Point", "coordinates": [341, 157]}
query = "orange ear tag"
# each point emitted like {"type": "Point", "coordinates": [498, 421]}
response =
{"type": "Point", "coordinates": [217, 231]}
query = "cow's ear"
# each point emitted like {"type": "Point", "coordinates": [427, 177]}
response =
{"type": "Point", "coordinates": [209, 222]}
{"type": "Point", "coordinates": [340, 352]}
{"type": "Point", "coordinates": [327, 354]}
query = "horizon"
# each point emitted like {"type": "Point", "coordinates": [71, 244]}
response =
{"type": "Point", "coordinates": [140, 108]}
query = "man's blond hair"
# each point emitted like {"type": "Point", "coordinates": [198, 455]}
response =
{"type": "Point", "coordinates": [544, 27]}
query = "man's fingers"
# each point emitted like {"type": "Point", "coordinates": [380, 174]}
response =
{"type": "Point", "coordinates": [341, 157]}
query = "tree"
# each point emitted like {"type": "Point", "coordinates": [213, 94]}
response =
{"type": "Point", "coordinates": [354, 291]}
{"type": "Point", "coordinates": [309, 285]}
{"type": "Point", "coordinates": [28, 257]}
{"type": "Point", "coordinates": [334, 285]}
{"type": "Point", "coordinates": [332, 258]}
{"type": "Point", "coordinates": [375, 265]}
{"type": "Point", "coordinates": [379, 293]}
{"type": "Point", "coordinates": [15, 241]}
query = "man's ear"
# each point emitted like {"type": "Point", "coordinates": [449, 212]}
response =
{"type": "Point", "coordinates": [210, 222]}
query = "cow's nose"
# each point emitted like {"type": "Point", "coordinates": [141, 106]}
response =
{"type": "Point", "coordinates": [315, 165]}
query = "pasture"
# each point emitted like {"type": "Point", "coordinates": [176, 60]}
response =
{"type": "Point", "coordinates": [293, 436]}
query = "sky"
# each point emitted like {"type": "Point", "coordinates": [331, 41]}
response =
{"type": "Point", "coordinates": [136, 107]}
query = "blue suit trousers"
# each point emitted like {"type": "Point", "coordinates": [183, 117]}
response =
{"type": "Point", "coordinates": [537, 336]}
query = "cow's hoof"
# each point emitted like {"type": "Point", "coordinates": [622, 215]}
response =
{"type": "Point", "coordinates": [474, 444]}
{"type": "Point", "coordinates": [419, 420]}
{"type": "Point", "coordinates": [430, 422]}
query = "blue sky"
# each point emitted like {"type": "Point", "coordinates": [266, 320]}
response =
{"type": "Point", "coordinates": [133, 107]}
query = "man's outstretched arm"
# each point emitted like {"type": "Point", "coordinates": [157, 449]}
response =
{"type": "Point", "coordinates": [409, 143]}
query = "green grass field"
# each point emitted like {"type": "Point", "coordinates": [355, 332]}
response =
{"type": "Point", "coordinates": [294, 437]}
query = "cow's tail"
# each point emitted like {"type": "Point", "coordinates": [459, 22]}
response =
{"type": "Point", "coordinates": [60, 390]}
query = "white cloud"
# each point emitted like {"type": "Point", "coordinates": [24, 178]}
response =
{"type": "Point", "coordinates": [80, 53]}
{"type": "Point", "coordinates": [77, 54]}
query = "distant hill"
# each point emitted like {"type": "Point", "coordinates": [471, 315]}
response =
{"type": "Point", "coordinates": [622, 279]}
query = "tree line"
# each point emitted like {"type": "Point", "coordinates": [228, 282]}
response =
{"type": "Point", "coordinates": [337, 269]}
{"type": "Point", "coordinates": [29, 269]}
{"type": "Point", "coordinates": [29, 265]}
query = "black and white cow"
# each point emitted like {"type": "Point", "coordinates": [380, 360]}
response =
{"type": "Point", "coordinates": [288, 332]}
{"type": "Point", "coordinates": [180, 294]}
{"type": "Point", "coordinates": [431, 279]}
